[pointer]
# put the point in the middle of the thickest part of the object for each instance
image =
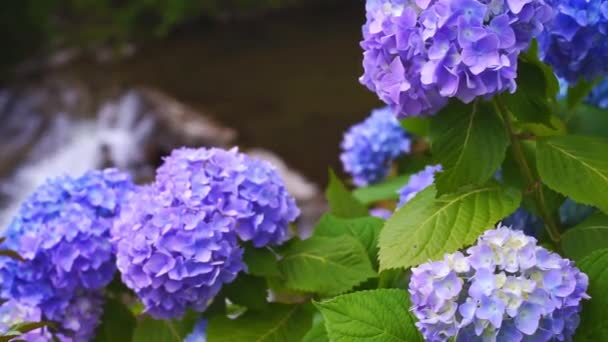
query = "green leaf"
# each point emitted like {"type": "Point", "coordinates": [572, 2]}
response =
{"type": "Point", "coordinates": [117, 323]}
{"type": "Point", "coordinates": [151, 330]}
{"type": "Point", "coordinates": [531, 101]}
{"type": "Point", "coordinates": [577, 167]}
{"type": "Point", "coordinates": [261, 262]}
{"type": "Point", "coordinates": [470, 143]}
{"type": "Point", "coordinates": [325, 265]}
{"type": "Point", "coordinates": [578, 93]}
{"type": "Point", "coordinates": [364, 229]}
{"type": "Point", "coordinates": [551, 82]}
{"type": "Point", "coordinates": [512, 177]}
{"type": "Point", "coordinates": [11, 254]}
{"type": "Point", "coordinates": [426, 227]}
{"type": "Point", "coordinates": [589, 120]}
{"type": "Point", "coordinates": [378, 315]}
{"type": "Point", "coordinates": [586, 237]}
{"type": "Point", "coordinates": [279, 323]}
{"type": "Point", "coordinates": [387, 190]}
{"type": "Point", "coordinates": [539, 130]}
{"type": "Point", "coordinates": [248, 291]}
{"type": "Point", "coordinates": [318, 333]}
{"type": "Point", "coordinates": [416, 125]}
{"type": "Point", "coordinates": [341, 201]}
{"type": "Point", "coordinates": [593, 325]}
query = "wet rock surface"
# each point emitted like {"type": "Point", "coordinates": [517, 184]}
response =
{"type": "Point", "coordinates": [63, 127]}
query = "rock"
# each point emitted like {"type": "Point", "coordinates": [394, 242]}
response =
{"type": "Point", "coordinates": [58, 128]}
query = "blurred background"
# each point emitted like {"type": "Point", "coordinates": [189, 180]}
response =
{"type": "Point", "coordinates": [94, 83]}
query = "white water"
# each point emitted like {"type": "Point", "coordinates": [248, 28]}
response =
{"type": "Point", "coordinates": [72, 147]}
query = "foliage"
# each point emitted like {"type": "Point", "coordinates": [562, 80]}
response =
{"type": "Point", "coordinates": [524, 151]}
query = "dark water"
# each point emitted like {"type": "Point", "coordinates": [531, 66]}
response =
{"type": "Point", "coordinates": [287, 82]}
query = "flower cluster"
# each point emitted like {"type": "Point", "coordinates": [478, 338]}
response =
{"type": "Point", "coordinates": [177, 240]}
{"type": "Point", "coordinates": [506, 288]}
{"type": "Point", "coordinates": [417, 183]}
{"type": "Point", "coordinates": [572, 213]}
{"type": "Point", "coordinates": [13, 312]}
{"type": "Point", "coordinates": [172, 255]}
{"type": "Point", "coordinates": [417, 54]}
{"type": "Point", "coordinates": [575, 43]}
{"type": "Point", "coordinates": [524, 221]}
{"type": "Point", "coordinates": [246, 190]}
{"type": "Point", "coordinates": [199, 333]}
{"type": "Point", "coordinates": [599, 94]}
{"type": "Point", "coordinates": [63, 232]}
{"type": "Point", "coordinates": [369, 148]}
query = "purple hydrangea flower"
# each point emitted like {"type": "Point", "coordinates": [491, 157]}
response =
{"type": "Point", "coordinates": [382, 213]}
{"type": "Point", "coordinates": [248, 192]}
{"type": "Point", "coordinates": [175, 255]}
{"type": "Point", "coordinates": [525, 221]}
{"type": "Point", "coordinates": [505, 288]}
{"type": "Point", "coordinates": [63, 232]}
{"type": "Point", "coordinates": [417, 183]}
{"type": "Point", "coordinates": [13, 312]}
{"type": "Point", "coordinates": [82, 316]}
{"type": "Point", "coordinates": [599, 95]}
{"type": "Point", "coordinates": [199, 333]}
{"type": "Point", "coordinates": [77, 324]}
{"type": "Point", "coordinates": [418, 54]}
{"type": "Point", "coordinates": [572, 213]}
{"type": "Point", "coordinates": [575, 42]}
{"type": "Point", "coordinates": [369, 147]}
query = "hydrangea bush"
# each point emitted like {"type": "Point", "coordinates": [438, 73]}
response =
{"type": "Point", "coordinates": [478, 213]}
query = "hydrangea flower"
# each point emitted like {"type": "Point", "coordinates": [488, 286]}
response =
{"type": "Point", "coordinates": [82, 316]}
{"type": "Point", "coordinates": [417, 54]}
{"type": "Point", "coordinates": [525, 221]}
{"type": "Point", "coordinates": [175, 255]}
{"type": "Point", "coordinates": [575, 42]}
{"type": "Point", "coordinates": [80, 319]}
{"type": "Point", "coordinates": [369, 147]}
{"type": "Point", "coordinates": [248, 192]}
{"type": "Point", "coordinates": [417, 183]}
{"type": "Point", "coordinates": [506, 288]}
{"type": "Point", "coordinates": [382, 213]}
{"type": "Point", "coordinates": [13, 312]}
{"type": "Point", "coordinates": [599, 95]}
{"type": "Point", "coordinates": [199, 333]}
{"type": "Point", "coordinates": [572, 213]}
{"type": "Point", "coordinates": [63, 232]}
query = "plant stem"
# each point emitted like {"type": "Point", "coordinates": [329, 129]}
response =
{"type": "Point", "coordinates": [534, 185]}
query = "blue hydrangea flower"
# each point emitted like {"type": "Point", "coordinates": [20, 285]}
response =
{"type": "Point", "coordinates": [13, 312]}
{"type": "Point", "coordinates": [599, 95]}
{"type": "Point", "coordinates": [572, 213]}
{"type": "Point", "coordinates": [175, 254]}
{"type": "Point", "coordinates": [525, 221]}
{"type": "Point", "coordinates": [369, 147]}
{"type": "Point", "coordinates": [417, 183]}
{"type": "Point", "coordinates": [63, 232]}
{"type": "Point", "coordinates": [506, 288]}
{"type": "Point", "coordinates": [199, 333]}
{"type": "Point", "coordinates": [418, 54]}
{"type": "Point", "coordinates": [575, 42]}
{"type": "Point", "coordinates": [248, 192]}
{"type": "Point", "coordinates": [382, 213]}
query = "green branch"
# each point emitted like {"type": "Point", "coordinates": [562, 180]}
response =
{"type": "Point", "coordinates": [534, 186]}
